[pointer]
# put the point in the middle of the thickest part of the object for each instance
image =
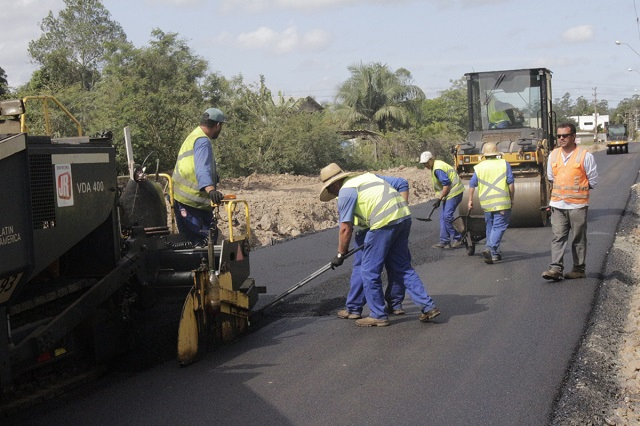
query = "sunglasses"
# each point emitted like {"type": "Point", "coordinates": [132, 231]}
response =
{"type": "Point", "coordinates": [566, 135]}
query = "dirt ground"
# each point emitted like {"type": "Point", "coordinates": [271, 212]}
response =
{"type": "Point", "coordinates": [603, 385]}
{"type": "Point", "coordinates": [287, 206]}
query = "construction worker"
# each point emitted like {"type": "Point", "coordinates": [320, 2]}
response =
{"type": "Point", "coordinates": [573, 172]}
{"type": "Point", "coordinates": [379, 207]}
{"type": "Point", "coordinates": [394, 293]}
{"type": "Point", "coordinates": [502, 115]}
{"type": "Point", "coordinates": [195, 179]}
{"type": "Point", "coordinates": [449, 191]}
{"type": "Point", "coordinates": [496, 189]}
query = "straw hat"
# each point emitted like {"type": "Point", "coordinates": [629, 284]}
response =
{"type": "Point", "coordinates": [490, 149]}
{"type": "Point", "coordinates": [329, 175]}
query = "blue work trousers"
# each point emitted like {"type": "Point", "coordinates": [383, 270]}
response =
{"type": "Point", "coordinates": [394, 293]}
{"type": "Point", "coordinates": [497, 223]}
{"type": "Point", "coordinates": [389, 246]}
{"type": "Point", "coordinates": [194, 223]}
{"type": "Point", "coordinates": [448, 233]}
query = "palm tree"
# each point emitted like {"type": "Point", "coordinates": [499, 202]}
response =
{"type": "Point", "coordinates": [377, 98]}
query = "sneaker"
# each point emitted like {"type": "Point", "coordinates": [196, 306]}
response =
{"type": "Point", "coordinates": [372, 322]}
{"type": "Point", "coordinates": [575, 274]}
{"type": "Point", "coordinates": [552, 274]}
{"type": "Point", "coordinates": [344, 314]}
{"type": "Point", "coordinates": [445, 246]}
{"type": "Point", "coordinates": [456, 244]}
{"type": "Point", "coordinates": [430, 314]}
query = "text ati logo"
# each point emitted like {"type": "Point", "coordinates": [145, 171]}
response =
{"type": "Point", "coordinates": [64, 186]}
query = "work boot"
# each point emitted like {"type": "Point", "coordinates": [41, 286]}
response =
{"type": "Point", "coordinates": [552, 274]}
{"type": "Point", "coordinates": [398, 311]}
{"type": "Point", "coordinates": [456, 244]}
{"type": "Point", "coordinates": [430, 314]}
{"type": "Point", "coordinates": [575, 274]}
{"type": "Point", "coordinates": [488, 259]}
{"type": "Point", "coordinates": [445, 246]}
{"type": "Point", "coordinates": [372, 322]}
{"type": "Point", "coordinates": [344, 314]}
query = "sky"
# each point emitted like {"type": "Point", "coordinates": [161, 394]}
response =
{"type": "Point", "coordinates": [304, 47]}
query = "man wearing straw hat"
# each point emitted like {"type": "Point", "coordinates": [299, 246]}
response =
{"type": "Point", "coordinates": [370, 201]}
{"type": "Point", "coordinates": [495, 183]}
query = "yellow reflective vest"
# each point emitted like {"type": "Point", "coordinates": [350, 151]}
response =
{"type": "Point", "coordinates": [185, 183]}
{"type": "Point", "coordinates": [493, 190]}
{"type": "Point", "coordinates": [456, 185]}
{"type": "Point", "coordinates": [379, 204]}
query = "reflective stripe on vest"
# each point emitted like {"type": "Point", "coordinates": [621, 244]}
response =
{"type": "Point", "coordinates": [493, 190]}
{"type": "Point", "coordinates": [379, 204]}
{"type": "Point", "coordinates": [570, 181]}
{"type": "Point", "coordinates": [456, 185]}
{"type": "Point", "coordinates": [185, 183]}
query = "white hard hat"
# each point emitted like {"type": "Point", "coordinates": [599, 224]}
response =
{"type": "Point", "coordinates": [425, 156]}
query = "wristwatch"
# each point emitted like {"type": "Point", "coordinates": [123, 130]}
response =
{"type": "Point", "coordinates": [340, 256]}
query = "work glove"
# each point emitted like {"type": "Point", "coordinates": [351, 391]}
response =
{"type": "Point", "coordinates": [337, 261]}
{"type": "Point", "coordinates": [216, 196]}
{"type": "Point", "coordinates": [437, 203]}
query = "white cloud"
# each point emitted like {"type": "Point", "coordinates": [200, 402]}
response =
{"type": "Point", "coordinates": [578, 34]}
{"type": "Point", "coordinates": [284, 42]}
{"type": "Point", "coordinates": [20, 25]}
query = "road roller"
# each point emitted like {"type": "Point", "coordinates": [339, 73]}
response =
{"type": "Point", "coordinates": [513, 110]}
{"type": "Point", "coordinates": [82, 256]}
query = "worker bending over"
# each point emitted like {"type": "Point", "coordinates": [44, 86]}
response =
{"type": "Point", "coordinates": [449, 189]}
{"type": "Point", "coordinates": [382, 209]}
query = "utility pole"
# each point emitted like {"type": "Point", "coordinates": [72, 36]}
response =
{"type": "Point", "coordinates": [595, 115]}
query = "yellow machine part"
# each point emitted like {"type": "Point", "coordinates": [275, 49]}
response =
{"type": "Point", "coordinates": [529, 197]}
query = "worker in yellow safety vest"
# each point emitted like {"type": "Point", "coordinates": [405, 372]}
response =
{"type": "Point", "coordinates": [449, 189]}
{"type": "Point", "coordinates": [384, 211]}
{"type": "Point", "coordinates": [494, 179]}
{"type": "Point", "coordinates": [195, 179]}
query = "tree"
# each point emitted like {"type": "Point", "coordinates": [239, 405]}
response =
{"type": "Point", "coordinates": [74, 47]}
{"type": "Point", "coordinates": [377, 98]}
{"type": "Point", "coordinates": [154, 90]}
{"type": "Point", "coordinates": [4, 85]}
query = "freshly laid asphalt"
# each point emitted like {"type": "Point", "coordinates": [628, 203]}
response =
{"type": "Point", "coordinates": [496, 355]}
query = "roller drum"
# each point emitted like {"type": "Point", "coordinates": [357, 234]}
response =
{"type": "Point", "coordinates": [530, 195]}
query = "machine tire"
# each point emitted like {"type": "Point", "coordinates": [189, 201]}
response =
{"type": "Point", "coordinates": [608, 150]}
{"type": "Point", "coordinates": [626, 149]}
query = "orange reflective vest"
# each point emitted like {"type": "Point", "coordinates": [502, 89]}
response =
{"type": "Point", "coordinates": [570, 182]}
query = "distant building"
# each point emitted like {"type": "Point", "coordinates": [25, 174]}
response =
{"type": "Point", "coordinates": [588, 122]}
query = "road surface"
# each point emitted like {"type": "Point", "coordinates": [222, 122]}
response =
{"type": "Point", "coordinates": [496, 355]}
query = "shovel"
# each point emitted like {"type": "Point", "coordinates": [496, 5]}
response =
{"type": "Point", "coordinates": [427, 219]}
{"type": "Point", "coordinates": [306, 280]}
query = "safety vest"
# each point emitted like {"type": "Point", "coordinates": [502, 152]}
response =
{"type": "Point", "coordinates": [185, 183]}
{"type": "Point", "coordinates": [493, 189]}
{"type": "Point", "coordinates": [570, 182]}
{"type": "Point", "coordinates": [379, 204]}
{"type": "Point", "coordinates": [496, 117]}
{"type": "Point", "coordinates": [456, 185]}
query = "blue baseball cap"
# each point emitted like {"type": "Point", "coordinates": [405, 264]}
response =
{"type": "Point", "coordinates": [215, 114]}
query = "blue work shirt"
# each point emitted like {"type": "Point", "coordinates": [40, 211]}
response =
{"type": "Point", "coordinates": [205, 163]}
{"type": "Point", "coordinates": [348, 197]}
{"type": "Point", "coordinates": [473, 183]}
{"type": "Point", "coordinates": [441, 175]}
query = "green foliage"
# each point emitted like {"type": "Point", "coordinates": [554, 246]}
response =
{"type": "Point", "coordinates": [4, 85]}
{"type": "Point", "coordinates": [153, 90]}
{"type": "Point", "coordinates": [376, 98]}
{"type": "Point", "coordinates": [74, 46]}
